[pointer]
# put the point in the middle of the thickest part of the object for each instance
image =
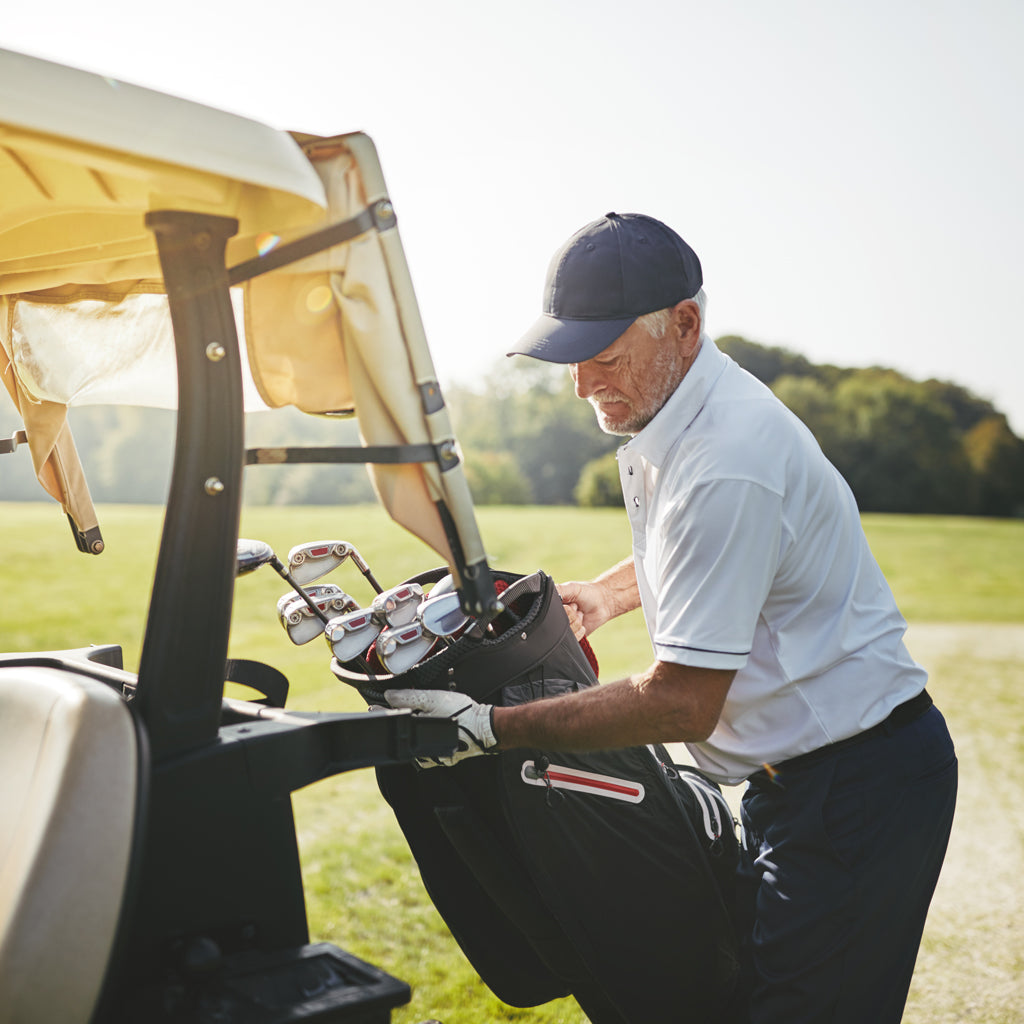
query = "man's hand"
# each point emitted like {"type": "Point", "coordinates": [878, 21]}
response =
{"type": "Point", "coordinates": [590, 605]}
{"type": "Point", "coordinates": [475, 721]}
{"type": "Point", "coordinates": [583, 605]}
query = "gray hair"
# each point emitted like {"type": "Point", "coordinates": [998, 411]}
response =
{"type": "Point", "coordinates": [656, 323]}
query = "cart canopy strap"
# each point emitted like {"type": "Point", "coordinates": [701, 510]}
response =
{"type": "Point", "coordinates": [401, 454]}
{"type": "Point", "coordinates": [379, 218]}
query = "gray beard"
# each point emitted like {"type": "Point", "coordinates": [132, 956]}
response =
{"type": "Point", "coordinates": [666, 373]}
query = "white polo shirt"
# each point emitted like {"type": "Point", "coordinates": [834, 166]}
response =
{"type": "Point", "coordinates": [750, 556]}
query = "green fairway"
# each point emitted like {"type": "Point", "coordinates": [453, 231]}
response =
{"type": "Point", "coordinates": [960, 583]}
{"type": "Point", "coordinates": [949, 569]}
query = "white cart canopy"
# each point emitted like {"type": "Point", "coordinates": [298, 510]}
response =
{"type": "Point", "coordinates": [84, 318]}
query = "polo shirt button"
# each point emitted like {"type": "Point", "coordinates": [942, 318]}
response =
{"type": "Point", "coordinates": [636, 502]}
{"type": "Point", "coordinates": [629, 470]}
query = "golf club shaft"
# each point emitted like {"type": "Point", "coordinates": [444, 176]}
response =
{"type": "Point", "coordinates": [279, 568]}
{"type": "Point", "coordinates": [365, 570]}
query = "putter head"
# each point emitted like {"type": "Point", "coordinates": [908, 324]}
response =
{"type": "Point", "coordinates": [442, 614]}
{"type": "Point", "coordinates": [298, 619]}
{"type": "Point", "coordinates": [350, 635]}
{"type": "Point", "coordinates": [315, 559]}
{"type": "Point", "coordinates": [403, 646]}
{"type": "Point", "coordinates": [397, 607]}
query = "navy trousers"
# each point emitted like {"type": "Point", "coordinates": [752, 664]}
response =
{"type": "Point", "coordinates": [841, 855]}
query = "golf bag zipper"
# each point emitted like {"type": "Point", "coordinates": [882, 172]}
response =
{"type": "Point", "coordinates": [712, 822]}
{"type": "Point", "coordinates": [705, 799]}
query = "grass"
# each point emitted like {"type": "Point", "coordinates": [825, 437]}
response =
{"type": "Point", "coordinates": [959, 582]}
{"type": "Point", "coordinates": [951, 569]}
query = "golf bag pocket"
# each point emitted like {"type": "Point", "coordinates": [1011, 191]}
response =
{"type": "Point", "coordinates": [712, 819]}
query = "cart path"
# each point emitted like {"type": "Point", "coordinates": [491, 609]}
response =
{"type": "Point", "coordinates": [971, 962]}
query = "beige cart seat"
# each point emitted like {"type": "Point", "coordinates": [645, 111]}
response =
{"type": "Point", "coordinates": [69, 766]}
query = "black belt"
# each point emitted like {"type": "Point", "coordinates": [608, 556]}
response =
{"type": "Point", "coordinates": [901, 715]}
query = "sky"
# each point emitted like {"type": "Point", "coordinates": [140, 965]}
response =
{"type": "Point", "coordinates": [850, 173]}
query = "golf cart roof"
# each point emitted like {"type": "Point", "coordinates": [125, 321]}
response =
{"type": "Point", "coordinates": [323, 301]}
{"type": "Point", "coordinates": [85, 156]}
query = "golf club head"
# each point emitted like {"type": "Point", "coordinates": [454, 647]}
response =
{"type": "Point", "coordinates": [442, 614]}
{"type": "Point", "coordinates": [402, 647]}
{"type": "Point", "coordinates": [350, 635]}
{"type": "Point", "coordinates": [398, 606]}
{"type": "Point", "coordinates": [300, 622]}
{"type": "Point", "coordinates": [315, 559]}
{"type": "Point", "coordinates": [251, 555]}
{"type": "Point", "coordinates": [445, 585]}
{"type": "Point", "coordinates": [328, 597]}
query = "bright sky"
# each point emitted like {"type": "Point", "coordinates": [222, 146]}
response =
{"type": "Point", "coordinates": [850, 173]}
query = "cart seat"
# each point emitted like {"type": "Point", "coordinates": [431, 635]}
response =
{"type": "Point", "coordinates": [69, 765]}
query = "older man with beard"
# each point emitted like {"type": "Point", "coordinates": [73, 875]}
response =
{"type": "Point", "coordinates": [778, 648]}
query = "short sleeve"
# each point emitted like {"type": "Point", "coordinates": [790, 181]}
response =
{"type": "Point", "coordinates": [718, 551]}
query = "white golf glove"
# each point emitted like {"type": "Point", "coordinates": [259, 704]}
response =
{"type": "Point", "coordinates": [475, 721]}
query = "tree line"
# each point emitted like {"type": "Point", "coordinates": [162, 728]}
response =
{"type": "Point", "coordinates": [903, 445]}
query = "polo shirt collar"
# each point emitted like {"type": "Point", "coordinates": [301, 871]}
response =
{"type": "Point", "coordinates": [658, 437]}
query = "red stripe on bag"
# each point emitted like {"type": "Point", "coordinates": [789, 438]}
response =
{"type": "Point", "coordinates": [574, 779]}
{"type": "Point", "coordinates": [614, 787]}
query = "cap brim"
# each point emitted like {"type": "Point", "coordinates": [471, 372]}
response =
{"type": "Point", "coordinates": [568, 341]}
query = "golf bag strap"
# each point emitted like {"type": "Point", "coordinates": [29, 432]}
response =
{"type": "Point", "coordinates": [265, 679]}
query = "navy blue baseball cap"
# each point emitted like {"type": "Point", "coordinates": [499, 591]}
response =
{"type": "Point", "coordinates": [607, 275]}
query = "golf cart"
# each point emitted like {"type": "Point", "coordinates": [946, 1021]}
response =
{"type": "Point", "coordinates": [155, 251]}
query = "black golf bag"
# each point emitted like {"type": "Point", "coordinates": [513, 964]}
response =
{"type": "Point", "coordinates": [607, 876]}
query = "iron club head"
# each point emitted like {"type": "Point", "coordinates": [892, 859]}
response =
{"type": "Point", "coordinates": [442, 614]}
{"type": "Point", "coordinates": [299, 620]}
{"type": "Point", "coordinates": [402, 647]}
{"type": "Point", "coordinates": [350, 635]}
{"type": "Point", "coordinates": [315, 559]}
{"type": "Point", "coordinates": [397, 606]}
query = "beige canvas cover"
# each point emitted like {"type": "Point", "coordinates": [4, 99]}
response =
{"type": "Point", "coordinates": [82, 312]}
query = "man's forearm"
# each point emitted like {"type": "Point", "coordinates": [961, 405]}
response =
{"type": "Point", "coordinates": [665, 704]}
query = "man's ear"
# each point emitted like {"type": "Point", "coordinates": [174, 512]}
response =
{"type": "Point", "coordinates": [686, 324]}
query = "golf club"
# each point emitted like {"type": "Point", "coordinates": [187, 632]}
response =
{"type": "Point", "coordinates": [251, 554]}
{"type": "Point", "coordinates": [349, 636]}
{"type": "Point", "coordinates": [445, 585]}
{"type": "Point", "coordinates": [442, 614]}
{"type": "Point", "coordinates": [315, 559]}
{"type": "Point", "coordinates": [401, 648]}
{"type": "Point", "coordinates": [397, 607]}
{"type": "Point", "coordinates": [304, 619]}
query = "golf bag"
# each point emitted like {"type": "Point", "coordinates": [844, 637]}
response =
{"type": "Point", "coordinates": [607, 876]}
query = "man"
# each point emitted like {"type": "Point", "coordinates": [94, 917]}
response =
{"type": "Point", "coordinates": [779, 655]}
